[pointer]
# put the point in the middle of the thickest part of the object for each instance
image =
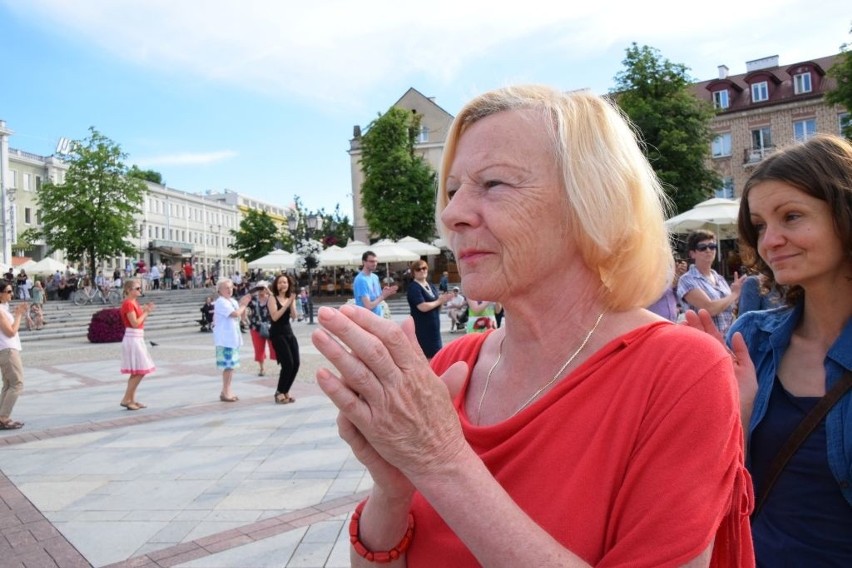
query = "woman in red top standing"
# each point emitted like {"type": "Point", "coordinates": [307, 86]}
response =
{"type": "Point", "coordinates": [135, 360]}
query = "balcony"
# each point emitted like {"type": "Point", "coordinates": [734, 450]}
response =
{"type": "Point", "coordinates": [752, 156]}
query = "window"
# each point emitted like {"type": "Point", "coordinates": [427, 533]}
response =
{"type": "Point", "coordinates": [802, 83]}
{"type": "Point", "coordinates": [761, 138]}
{"type": "Point", "coordinates": [844, 120]}
{"type": "Point", "coordinates": [28, 216]}
{"type": "Point", "coordinates": [727, 189]}
{"type": "Point", "coordinates": [38, 183]}
{"type": "Point", "coordinates": [10, 183]}
{"type": "Point", "coordinates": [423, 136]}
{"type": "Point", "coordinates": [804, 129]}
{"type": "Point", "coordinates": [28, 182]}
{"type": "Point", "coordinates": [759, 92]}
{"type": "Point", "coordinates": [720, 99]}
{"type": "Point", "coordinates": [722, 145]}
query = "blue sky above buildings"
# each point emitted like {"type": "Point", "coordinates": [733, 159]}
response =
{"type": "Point", "coordinates": [260, 97]}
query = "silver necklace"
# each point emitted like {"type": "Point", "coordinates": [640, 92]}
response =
{"type": "Point", "coordinates": [548, 384]}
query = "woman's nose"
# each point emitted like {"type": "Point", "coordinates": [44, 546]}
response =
{"type": "Point", "coordinates": [460, 211]}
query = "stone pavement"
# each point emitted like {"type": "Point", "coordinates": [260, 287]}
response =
{"type": "Point", "coordinates": [189, 481]}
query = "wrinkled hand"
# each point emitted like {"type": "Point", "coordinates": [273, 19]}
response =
{"type": "Point", "coordinates": [743, 366]}
{"type": "Point", "coordinates": [395, 412]}
{"type": "Point", "coordinates": [22, 308]}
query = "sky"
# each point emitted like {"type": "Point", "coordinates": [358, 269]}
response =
{"type": "Point", "coordinates": [260, 97]}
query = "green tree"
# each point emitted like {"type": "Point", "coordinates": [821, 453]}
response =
{"type": "Point", "coordinates": [674, 124]}
{"type": "Point", "coordinates": [841, 71]}
{"type": "Point", "coordinates": [147, 175]}
{"type": "Point", "coordinates": [335, 228]}
{"type": "Point", "coordinates": [91, 214]}
{"type": "Point", "coordinates": [398, 193]}
{"type": "Point", "coordinates": [257, 236]}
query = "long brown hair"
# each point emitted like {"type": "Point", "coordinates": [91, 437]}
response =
{"type": "Point", "coordinates": [291, 288]}
{"type": "Point", "coordinates": [821, 168]}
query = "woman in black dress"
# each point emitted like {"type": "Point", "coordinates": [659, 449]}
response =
{"type": "Point", "coordinates": [281, 311]}
{"type": "Point", "coordinates": [425, 304]}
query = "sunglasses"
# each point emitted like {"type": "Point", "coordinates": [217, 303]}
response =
{"type": "Point", "coordinates": [7, 291]}
{"type": "Point", "coordinates": [137, 289]}
{"type": "Point", "coordinates": [704, 247]}
{"type": "Point", "coordinates": [422, 268]}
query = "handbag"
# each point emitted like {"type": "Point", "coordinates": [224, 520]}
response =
{"type": "Point", "coordinates": [264, 329]}
{"type": "Point", "coordinates": [800, 434]}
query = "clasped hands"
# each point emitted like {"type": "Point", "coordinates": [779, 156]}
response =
{"type": "Point", "coordinates": [395, 412]}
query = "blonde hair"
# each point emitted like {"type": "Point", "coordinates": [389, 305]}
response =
{"type": "Point", "coordinates": [616, 201]}
{"type": "Point", "coordinates": [128, 285]}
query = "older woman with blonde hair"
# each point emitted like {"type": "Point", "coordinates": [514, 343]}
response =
{"type": "Point", "coordinates": [588, 432]}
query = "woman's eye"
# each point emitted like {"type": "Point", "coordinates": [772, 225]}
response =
{"type": "Point", "coordinates": [791, 216]}
{"type": "Point", "coordinates": [492, 183]}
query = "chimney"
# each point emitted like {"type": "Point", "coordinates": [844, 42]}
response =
{"type": "Point", "coordinates": [723, 71]}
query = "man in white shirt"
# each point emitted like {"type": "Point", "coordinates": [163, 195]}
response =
{"type": "Point", "coordinates": [455, 307]}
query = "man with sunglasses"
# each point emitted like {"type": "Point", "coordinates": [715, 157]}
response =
{"type": "Point", "coordinates": [10, 356]}
{"type": "Point", "coordinates": [704, 288]}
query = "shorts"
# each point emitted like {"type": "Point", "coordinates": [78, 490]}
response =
{"type": "Point", "coordinates": [227, 357]}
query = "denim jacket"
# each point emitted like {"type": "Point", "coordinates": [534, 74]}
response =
{"type": "Point", "coordinates": [767, 334]}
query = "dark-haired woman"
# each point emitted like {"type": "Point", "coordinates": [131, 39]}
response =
{"type": "Point", "coordinates": [281, 311]}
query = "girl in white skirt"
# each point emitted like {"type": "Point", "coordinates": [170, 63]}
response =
{"type": "Point", "coordinates": [135, 360]}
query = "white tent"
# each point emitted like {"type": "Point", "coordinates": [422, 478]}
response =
{"type": "Point", "coordinates": [418, 247]}
{"type": "Point", "coordinates": [717, 214]}
{"type": "Point", "coordinates": [47, 265]}
{"type": "Point", "coordinates": [337, 256]}
{"type": "Point", "coordinates": [276, 260]}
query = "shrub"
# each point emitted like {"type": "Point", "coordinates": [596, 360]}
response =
{"type": "Point", "coordinates": [106, 326]}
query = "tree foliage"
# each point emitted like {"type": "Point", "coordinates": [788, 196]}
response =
{"type": "Point", "coordinates": [398, 193]}
{"type": "Point", "coordinates": [335, 228]}
{"type": "Point", "coordinates": [91, 214]}
{"type": "Point", "coordinates": [147, 175]}
{"type": "Point", "coordinates": [675, 126]}
{"type": "Point", "coordinates": [256, 237]}
{"type": "Point", "coordinates": [841, 71]}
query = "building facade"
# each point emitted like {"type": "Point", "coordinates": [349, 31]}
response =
{"type": "Point", "coordinates": [768, 107]}
{"type": "Point", "coordinates": [172, 226]}
{"type": "Point", "coordinates": [434, 126]}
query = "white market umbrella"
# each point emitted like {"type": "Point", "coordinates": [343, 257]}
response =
{"type": "Point", "coordinates": [418, 247]}
{"type": "Point", "coordinates": [276, 260]}
{"type": "Point", "coordinates": [356, 248]}
{"type": "Point", "coordinates": [717, 214]}
{"type": "Point", "coordinates": [48, 265]}
{"type": "Point", "coordinates": [26, 266]}
{"type": "Point", "coordinates": [335, 256]}
{"type": "Point", "coordinates": [388, 251]}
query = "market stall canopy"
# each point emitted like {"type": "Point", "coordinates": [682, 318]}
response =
{"type": "Point", "coordinates": [388, 251]}
{"type": "Point", "coordinates": [276, 260]}
{"type": "Point", "coordinates": [337, 256]}
{"type": "Point", "coordinates": [48, 265]}
{"type": "Point", "coordinates": [356, 248]}
{"type": "Point", "coordinates": [717, 214]}
{"type": "Point", "coordinates": [418, 247]}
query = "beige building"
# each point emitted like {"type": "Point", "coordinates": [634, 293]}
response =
{"type": "Point", "coordinates": [434, 125]}
{"type": "Point", "coordinates": [768, 107]}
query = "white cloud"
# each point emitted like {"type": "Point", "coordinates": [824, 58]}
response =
{"type": "Point", "coordinates": [337, 50]}
{"type": "Point", "coordinates": [185, 159]}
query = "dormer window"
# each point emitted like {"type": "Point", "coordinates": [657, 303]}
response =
{"type": "Point", "coordinates": [802, 83]}
{"type": "Point", "coordinates": [759, 92]}
{"type": "Point", "coordinates": [720, 99]}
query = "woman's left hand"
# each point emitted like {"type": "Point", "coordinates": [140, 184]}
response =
{"type": "Point", "coordinates": [388, 392]}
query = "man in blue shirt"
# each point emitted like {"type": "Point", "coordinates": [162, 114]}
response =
{"type": "Point", "coordinates": [367, 289]}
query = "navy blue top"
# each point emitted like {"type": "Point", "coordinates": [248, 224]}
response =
{"type": "Point", "coordinates": [427, 325]}
{"type": "Point", "coordinates": [805, 520]}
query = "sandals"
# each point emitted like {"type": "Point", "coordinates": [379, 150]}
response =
{"type": "Point", "coordinates": [281, 398]}
{"type": "Point", "coordinates": [224, 398]}
{"type": "Point", "coordinates": [132, 405]}
{"type": "Point", "coordinates": [11, 425]}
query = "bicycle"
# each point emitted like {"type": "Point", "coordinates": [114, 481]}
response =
{"type": "Point", "coordinates": [87, 295]}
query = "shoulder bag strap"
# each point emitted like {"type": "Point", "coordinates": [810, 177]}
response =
{"type": "Point", "coordinates": [799, 435]}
